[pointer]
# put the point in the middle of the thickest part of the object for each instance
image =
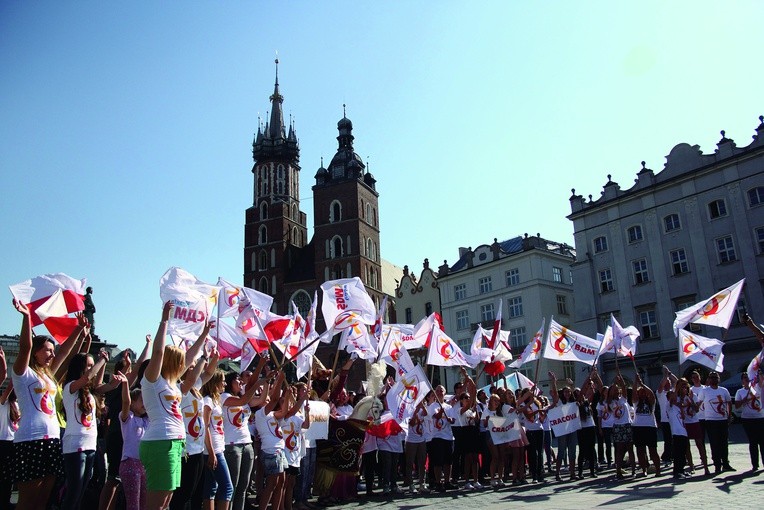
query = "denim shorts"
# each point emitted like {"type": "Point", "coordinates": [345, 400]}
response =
{"type": "Point", "coordinates": [274, 463]}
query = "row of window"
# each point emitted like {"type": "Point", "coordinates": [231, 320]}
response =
{"type": "Point", "coordinates": [295, 237]}
{"type": "Point", "coordinates": [427, 312]}
{"type": "Point", "coordinates": [716, 209]}
{"type": "Point", "coordinates": [512, 278]}
{"type": "Point", "coordinates": [514, 306]}
{"type": "Point", "coordinates": [263, 176]}
{"type": "Point", "coordinates": [725, 251]}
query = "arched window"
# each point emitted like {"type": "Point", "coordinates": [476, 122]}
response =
{"type": "Point", "coordinates": [294, 212]}
{"type": "Point", "coordinates": [262, 235]}
{"type": "Point", "coordinates": [302, 301]}
{"type": "Point", "coordinates": [263, 210]}
{"type": "Point", "coordinates": [263, 287]}
{"type": "Point", "coordinates": [335, 211]}
{"type": "Point", "coordinates": [369, 252]}
{"type": "Point", "coordinates": [280, 180]}
{"type": "Point", "coordinates": [263, 261]}
{"type": "Point", "coordinates": [368, 213]}
{"type": "Point", "coordinates": [253, 261]}
{"type": "Point", "coordinates": [374, 216]}
{"type": "Point", "coordinates": [336, 247]}
{"type": "Point", "coordinates": [295, 236]}
{"type": "Point", "coordinates": [264, 180]}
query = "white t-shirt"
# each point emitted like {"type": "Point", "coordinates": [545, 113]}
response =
{"type": "Point", "coordinates": [416, 433]}
{"type": "Point", "coordinates": [664, 405]}
{"type": "Point", "coordinates": [644, 415]}
{"type": "Point", "coordinates": [606, 415]}
{"type": "Point", "coordinates": [697, 395]}
{"type": "Point", "coordinates": [462, 419]}
{"type": "Point", "coordinates": [621, 411]}
{"type": "Point", "coordinates": [690, 414]}
{"type": "Point", "coordinates": [587, 416]}
{"type": "Point", "coordinates": [369, 444]}
{"type": "Point", "coordinates": [716, 403]}
{"type": "Point", "coordinates": [675, 420]}
{"type": "Point", "coordinates": [291, 429]}
{"type": "Point", "coordinates": [271, 438]}
{"type": "Point", "coordinates": [751, 408]}
{"type": "Point", "coordinates": [532, 423]}
{"type": "Point", "coordinates": [392, 443]}
{"type": "Point", "coordinates": [344, 412]}
{"type": "Point", "coordinates": [441, 428]}
{"type": "Point", "coordinates": [192, 408]}
{"type": "Point", "coordinates": [37, 404]}
{"type": "Point", "coordinates": [81, 431]}
{"type": "Point", "coordinates": [7, 428]}
{"type": "Point", "coordinates": [217, 433]}
{"type": "Point", "coordinates": [235, 420]}
{"type": "Point", "coordinates": [162, 401]}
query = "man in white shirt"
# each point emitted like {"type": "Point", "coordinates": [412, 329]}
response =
{"type": "Point", "coordinates": [718, 413]}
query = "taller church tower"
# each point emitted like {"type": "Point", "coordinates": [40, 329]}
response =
{"type": "Point", "coordinates": [275, 228]}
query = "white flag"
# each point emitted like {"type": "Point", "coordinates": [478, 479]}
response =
{"type": "Point", "coordinates": [624, 339]}
{"type": "Point", "coordinates": [754, 372]}
{"type": "Point", "coordinates": [406, 394]}
{"type": "Point", "coordinates": [715, 311]}
{"type": "Point", "coordinates": [394, 353]}
{"type": "Point", "coordinates": [444, 352]}
{"type": "Point", "coordinates": [358, 339]}
{"type": "Point", "coordinates": [702, 350]}
{"type": "Point", "coordinates": [533, 350]}
{"type": "Point", "coordinates": [564, 344]}
{"type": "Point", "coordinates": [346, 304]}
{"type": "Point", "coordinates": [307, 336]}
{"type": "Point", "coordinates": [192, 298]}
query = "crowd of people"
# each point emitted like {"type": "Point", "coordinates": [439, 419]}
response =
{"type": "Point", "coordinates": [171, 430]}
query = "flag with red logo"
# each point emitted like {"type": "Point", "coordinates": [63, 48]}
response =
{"type": "Point", "coordinates": [379, 322]}
{"type": "Point", "coordinates": [394, 353]}
{"type": "Point", "coordinates": [50, 299]}
{"type": "Point", "coordinates": [714, 311]}
{"type": "Point", "coordinates": [702, 350]}
{"type": "Point", "coordinates": [532, 351]}
{"type": "Point", "coordinates": [358, 339]}
{"type": "Point", "coordinates": [443, 351]}
{"type": "Point", "coordinates": [346, 305]}
{"type": "Point", "coordinates": [564, 344]}
{"type": "Point", "coordinates": [422, 333]}
{"type": "Point", "coordinates": [407, 392]}
{"type": "Point", "coordinates": [307, 336]}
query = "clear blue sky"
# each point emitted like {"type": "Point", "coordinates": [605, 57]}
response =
{"type": "Point", "coordinates": [126, 127]}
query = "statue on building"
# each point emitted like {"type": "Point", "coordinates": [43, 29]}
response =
{"type": "Point", "coordinates": [90, 309]}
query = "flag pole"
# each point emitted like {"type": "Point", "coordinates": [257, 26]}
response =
{"type": "Point", "coordinates": [541, 353]}
{"type": "Point", "coordinates": [336, 356]}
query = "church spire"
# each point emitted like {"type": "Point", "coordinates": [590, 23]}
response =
{"type": "Point", "coordinates": [276, 126]}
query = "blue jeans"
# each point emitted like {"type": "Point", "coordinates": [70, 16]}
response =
{"type": "Point", "coordinates": [78, 469]}
{"type": "Point", "coordinates": [217, 484]}
{"type": "Point", "coordinates": [240, 459]}
{"type": "Point", "coordinates": [305, 479]}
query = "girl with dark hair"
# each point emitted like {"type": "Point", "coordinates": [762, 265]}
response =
{"type": "Point", "coordinates": [37, 444]}
{"type": "Point", "coordinates": [645, 428]}
{"type": "Point", "coordinates": [217, 478]}
{"type": "Point", "coordinates": [80, 437]}
{"type": "Point", "coordinates": [587, 434]}
{"type": "Point", "coordinates": [9, 424]}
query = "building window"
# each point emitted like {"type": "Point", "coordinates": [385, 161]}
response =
{"type": "Point", "coordinates": [263, 287]}
{"type": "Point", "coordinates": [486, 312]}
{"type": "Point", "coordinates": [717, 209]}
{"type": "Point", "coordinates": [671, 223]}
{"type": "Point", "coordinates": [368, 213]}
{"type": "Point", "coordinates": [263, 261]}
{"type": "Point", "coordinates": [518, 338]}
{"type": "Point", "coordinates": [515, 306]}
{"type": "Point", "coordinates": [683, 303]}
{"type": "Point", "coordinates": [634, 233]}
{"type": "Point", "coordinates": [600, 244]}
{"type": "Point", "coordinates": [264, 210]}
{"type": "Point", "coordinates": [756, 196]}
{"type": "Point", "coordinates": [336, 247]}
{"type": "Point", "coordinates": [640, 271]}
{"type": "Point", "coordinates": [427, 309]}
{"type": "Point", "coordinates": [262, 235]}
{"type": "Point", "coordinates": [557, 274]}
{"type": "Point", "coordinates": [569, 370]}
{"type": "Point", "coordinates": [725, 247]}
{"type": "Point", "coordinates": [679, 262]}
{"type": "Point", "coordinates": [335, 211]}
{"type": "Point", "coordinates": [462, 319]}
{"type": "Point", "coordinates": [460, 291]}
{"type": "Point", "coordinates": [606, 280]}
{"type": "Point", "coordinates": [484, 285]}
{"type": "Point", "coordinates": [408, 316]}
{"type": "Point", "coordinates": [513, 275]}
{"type": "Point", "coordinates": [648, 323]}
{"type": "Point", "coordinates": [562, 305]}
{"type": "Point", "coordinates": [759, 232]}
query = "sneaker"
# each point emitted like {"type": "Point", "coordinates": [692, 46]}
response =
{"type": "Point", "coordinates": [468, 486]}
{"type": "Point", "coordinates": [397, 490]}
{"type": "Point", "coordinates": [412, 489]}
{"type": "Point", "coordinates": [727, 467]}
{"type": "Point", "coordinates": [477, 486]}
{"type": "Point", "coordinates": [423, 488]}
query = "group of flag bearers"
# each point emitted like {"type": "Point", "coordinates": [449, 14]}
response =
{"type": "Point", "coordinates": [509, 427]}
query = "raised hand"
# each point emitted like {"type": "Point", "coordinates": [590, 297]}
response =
{"type": "Point", "coordinates": [166, 310]}
{"type": "Point", "coordinates": [21, 307]}
{"type": "Point", "coordinates": [119, 377]}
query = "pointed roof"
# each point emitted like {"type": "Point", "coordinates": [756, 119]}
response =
{"type": "Point", "coordinates": [276, 127]}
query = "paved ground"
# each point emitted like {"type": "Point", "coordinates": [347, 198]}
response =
{"type": "Point", "coordinates": [742, 489]}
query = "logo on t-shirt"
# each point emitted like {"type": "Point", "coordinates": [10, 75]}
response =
{"type": "Point", "coordinates": [170, 403]}
{"type": "Point", "coordinates": [218, 423]}
{"type": "Point", "coordinates": [194, 427]}
{"type": "Point", "coordinates": [237, 416]}
{"type": "Point", "coordinates": [719, 406]}
{"type": "Point", "coordinates": [291, 438]}
{"type": "Point", "coordinates": [42, 398]}
{"type": "Point", "coordinates": [273, 428]}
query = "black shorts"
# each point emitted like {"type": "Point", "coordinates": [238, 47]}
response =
{"type": "Point", "coordinates": [292, 470]}
{"type": "Point", "coordinates": [645, 436]}
{"type": "Point", "coordinates": [37, 459]}
{"type": "Point", "coordinates": [441, 452]}
{"type": "Point", "coordinates": [470, 439]}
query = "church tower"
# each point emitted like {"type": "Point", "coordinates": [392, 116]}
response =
{"type": "Point", "coordinates": [275, 228]}
{"type": "Point", "coordinates": [346, 218]}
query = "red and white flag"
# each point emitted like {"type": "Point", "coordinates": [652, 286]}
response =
{"type": "Point", "coordinates": [358, 339]}
{"type": "Point", "coordinates": [407, 392]}
{"type": "Point", "coordinates": [422, 333]}
{"type": "Point", "coordinates": [754, 372]}
{"type": "Point", "coordinates": [379, 322]}
{"type": "Point", "coordinates": [624, 339]}
{"type": "Point", "coordinates": [228, 339]}
{"type": "Point", "coordinates": [564, 344]}
{"type": "Point", "coordinates": [532, 351]}
{"type": "Point", "coordinates": [714, 311]}
{"type": "Point", "coordinates": [444, 352]}
{"type": "Point", "coordinates": [394, 353]}
{"type": "Point", "coordinates": [702, 350]}
{"type": "Point", "coordinates": [307, 336]}
{"type": "Point", "coordinates": [50, 299]}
